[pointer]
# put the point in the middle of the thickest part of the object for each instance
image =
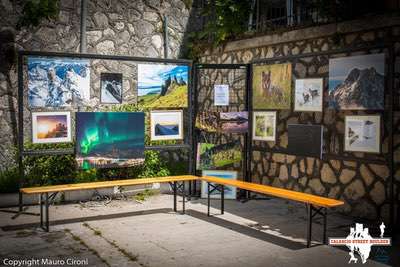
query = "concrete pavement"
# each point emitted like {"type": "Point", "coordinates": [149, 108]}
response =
{"type": "Point", "coordinates": [128, 233]}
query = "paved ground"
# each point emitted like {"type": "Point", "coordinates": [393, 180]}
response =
{"type": "Point", "coordinates": [128, 233]}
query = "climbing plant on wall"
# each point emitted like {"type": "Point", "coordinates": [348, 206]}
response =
{"type": "Point", "coordinates": [34, 11]}
{"type": "Point", "coordinates": [225, 19]}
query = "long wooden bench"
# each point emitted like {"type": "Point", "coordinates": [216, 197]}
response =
{"type": "Point", "coordinates": [315, 204]}
{"type": "Point", "coordinates": [48, 193]}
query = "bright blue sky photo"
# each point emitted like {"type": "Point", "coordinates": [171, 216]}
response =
{"type": "Point", "coordinates": [151, 76]}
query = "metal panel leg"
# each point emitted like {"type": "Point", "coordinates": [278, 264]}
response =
{"type": "Point", "coordinates": [309, 224]}
{"type": "Point", "coordinates": [208, 199]}
{"type": "Point", "coordinates": [21, 202]}
{"type": "Point", "coordinates": [190, 191]}
{"type": "Point", "coordinates": [183, 197]}
{"type": "Point", "coordinates": [41, 210]}
{"type": "Point", "coordinates": [47, 212]}
{"type": "Point", "coordinates": [222, 198]}
{"type": "Point", "coordinates": [325, 225]}
{"type": "Point", "coordinates": [174, 188]}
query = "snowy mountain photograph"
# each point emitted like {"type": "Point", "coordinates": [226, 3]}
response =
{"type": "Point", "coordinates": [357, 82]}
{"type": "Point", "coordinates": [58, 82]}
{"type": "Point", "coordinates": [111, 88]}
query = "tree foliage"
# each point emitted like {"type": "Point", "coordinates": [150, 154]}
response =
{"type": "Point", "coordinates": [34, 11]}
{"type": "Point", "coordinates": [224, 19]}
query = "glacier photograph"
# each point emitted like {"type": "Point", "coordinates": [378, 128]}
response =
{"type": "Point", "coordinates": [111, 88]}
{"type": "Point", "coordinates": [58, 82]}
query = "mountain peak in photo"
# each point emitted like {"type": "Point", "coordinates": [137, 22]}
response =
{"type": "Point", "coordinates": [362, 89]}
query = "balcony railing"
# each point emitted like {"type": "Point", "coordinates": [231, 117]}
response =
{"type": "Point", "coordinates": [270, 15]}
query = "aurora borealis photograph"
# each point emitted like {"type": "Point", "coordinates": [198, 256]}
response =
{"type": "Point", "coordinates": [109, 139]}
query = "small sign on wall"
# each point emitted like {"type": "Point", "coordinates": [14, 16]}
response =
{"type": "Point", "coordinates": [221, 95]}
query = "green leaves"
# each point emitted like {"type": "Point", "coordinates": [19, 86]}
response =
{"type": "Point", "coordinates": [34, 11]}
{"type": "Point", "coordinates": [61, 169]}
{"type": "Point", "coordinates": [225, 20]}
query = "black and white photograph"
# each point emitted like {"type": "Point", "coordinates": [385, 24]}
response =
{"type": "Point", "coordinates": [111, 88]}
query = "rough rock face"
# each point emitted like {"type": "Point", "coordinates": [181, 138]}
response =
{"type": "Point", "coordinates": [362, 185]}
{"type": "Point", "coordinates": [117, 27]}
{"type": "Point", "coordinates": [362, 89]}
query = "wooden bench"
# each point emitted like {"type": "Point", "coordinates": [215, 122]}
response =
{"type": "Point", "coordinates": [315, 204]}
{"type": "Point", "coordinates": [48, 193]}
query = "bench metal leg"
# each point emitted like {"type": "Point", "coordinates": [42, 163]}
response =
{"type": "Point", "coordinates": [41, 210]}
{"type": "Point", "coordinates": [183, 197]}
{"type": "Point", "coordinates": [325, 225]}
{"type": "Point", "coordinates": [215, 187]}
{"type": "Point", "coordinates": [208, 199]}
{"type": "Point", "coordinates": [311, 213]}
{"type": "Point", "coordinates": [181, 189]}
{"type": "Point", "coordinates": [222, 199]}
{"type": "Point", "coordinates": [174, 188]}
{"type": "Point", "coordinates": [47, 212]}
{"type": "Point", "coordinates": [309, 224]}
{"type": "Point", "coordinates": [21, 202]}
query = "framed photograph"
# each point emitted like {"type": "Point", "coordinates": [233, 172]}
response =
{"type": "Point", "coordinates": [221, 95]}
{"type": "Point", "coordinates": [362, 133]}
{"type": "Point", "coordinates": [308, 95]}
{"type": "Point", "coordinates": [212, 156]}
{"type": "Point", "coordinates": [58, 82]}
{"type": "Point", "coordinates": [272, 86]}
{"type": "Point", "coordinates": [51, 127]}
{"type": "Point", "coordinates": [264, 125]}
{"type": "Point", "coordinates": [234, 122]}
{"type": "Point", "coordinates": [109, 139]}
{"type": "Point", "coordinates": [229, 191]}
{"type": "Point", "coordinates": [207, 121]}
{"type": "Point", "coordinates": [166, 125]}
{"type": "Point", "coordinates": [163, 86]}
{"type": "Point", "coordinates": [357, 82]}
{"type": "Point", "coordinates": [111, 88]}
{"type": "Point", "coordinates": [305, 140]}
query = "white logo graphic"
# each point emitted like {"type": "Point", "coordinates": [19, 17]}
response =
{"type": "Point", "coordinates": [360, 241]}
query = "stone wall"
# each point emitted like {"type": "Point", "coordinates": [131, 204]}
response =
{"type": "Point", "coordinates": [360, 179]}
{"type": "Point", "coordinates": [133, 28]}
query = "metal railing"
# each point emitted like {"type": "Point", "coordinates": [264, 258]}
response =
{"type": "Point", "coordinates": [270, 15]}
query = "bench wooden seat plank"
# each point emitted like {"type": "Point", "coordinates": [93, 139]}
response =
{"type": "Point", "coordinates": [177, 183]}
{"type": "Point", "coordinates": [278, 192]}
{"type": "Point", "coordinates": [105, 184]}
{"type": "Point", "coordinates": [316, 205]}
